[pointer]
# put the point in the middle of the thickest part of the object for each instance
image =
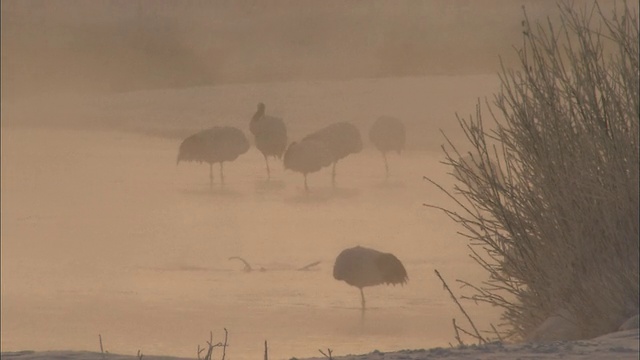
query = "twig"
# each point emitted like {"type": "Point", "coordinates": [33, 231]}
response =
{"type": "Point", "coordinates": [497, 333]}
{"type": "Point", "coordinates": [446, 287]}
{"type": "Point", "coordinates": [212, 345]}
{"type": "Point", "coordinates": [224, 346]}
{"type": "Point", "coordinates": [329, 351]}
{"type": "Point", "coordinates": [307, 267]}
{"type": "Point", "coordinates": [266, 354]}
{"type": "Point", "coordinates": [101, 348]}
{"type": "Point", "coordinates": [247, 267]}
{"type": "Point", "coordinates": [210, 350]}
{"type": "Point", "coordinates": [455, 328]}
{"type": "Point", "coordinates": [466, 332]}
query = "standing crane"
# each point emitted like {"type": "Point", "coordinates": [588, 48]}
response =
{"type": "Point", "coordinates": [270, 134]}
{"type": "Point", "coordinates": [306, 157]}
{"type": "Point", "coordinates": [342, 139]}
{"type": "Point", "coordinates": [388, 134]}
{"type": "Point", "coordinates": [215, 145]}
{"type": "Point", "coordinates": [361, 267]}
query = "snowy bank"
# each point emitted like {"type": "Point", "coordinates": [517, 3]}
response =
{"type": "Point", "coordinates": [619, 345]}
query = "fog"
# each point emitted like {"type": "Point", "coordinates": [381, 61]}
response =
{"type": "Point", "coordinates": [103, 234]}
{"type": "Point", "coordinates": [116, 45]}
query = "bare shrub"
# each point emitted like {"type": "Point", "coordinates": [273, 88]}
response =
{"type": "Point", "coordinates": [550, 200]}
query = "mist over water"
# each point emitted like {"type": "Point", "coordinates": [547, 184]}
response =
{"type": "Point", "coordinates": [118, 241]}
{"type": "Point", "coordinates": [112, 45]}
{"type": "Point", "coordinates": [103, 234]}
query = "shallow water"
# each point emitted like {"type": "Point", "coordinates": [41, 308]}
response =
{"type": "Point", "coordinates": [103, 234]}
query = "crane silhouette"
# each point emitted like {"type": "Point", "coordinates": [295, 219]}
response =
{"type": "Point", "coordinates": [341, 139]}
{"type": "Point", "coordinates": [361, 267]}
{"type": "Point", "coordinates": [215, 145]}
{"type": "Point", "coordinates": [270, 134]}
{"type": "Point", "coordinates": [387, 134]}
{"type": "Point", "coordinates": [307, 156]}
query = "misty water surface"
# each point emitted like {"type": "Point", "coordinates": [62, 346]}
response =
{"type": "Point", "coordinates": [103, 234]}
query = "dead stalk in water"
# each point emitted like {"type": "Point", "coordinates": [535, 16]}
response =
{"type": "Point", "coordinates": [329, 351]}
{"type": "Point", "coordinates": [477, 334]}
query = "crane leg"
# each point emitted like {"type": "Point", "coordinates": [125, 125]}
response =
{"type": "Point", "coordinates": [268, 170]}
{"type": "Point", "coordinates": [210, 176]}
{"type": "Point", "coordinates": [333, 175]}
{"type": "Point", "coordinates": [306, 187]}
{"type": "Point", "coordinates": [221, 174]}
{"type": "Point", "coordinates": [386, 166]}
{"type": "Point", "coordinates": [362, 296]}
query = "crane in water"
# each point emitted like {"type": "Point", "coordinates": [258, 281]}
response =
{"type": "Point", "coordinates": [341, 139]}
{"type": "Point", "coordinates": [270, 135]}
{"type": "Point", "coordinates": [387, 134]}
{"type": "Point", "coordinates": [215, 145]}
{"type": "Point", "coordinates": [361, 267]}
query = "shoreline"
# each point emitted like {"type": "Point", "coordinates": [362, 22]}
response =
{"type": "Point", "coordinates": [618, 345]}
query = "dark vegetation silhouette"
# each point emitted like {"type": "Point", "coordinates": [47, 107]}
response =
{"type": "Point", "coordinates": [470, 173]}
{"type": "Point", "coordinates": [215, 145]}
{"type": "Point", "coordinates": [270, 134]}
{"type": "Point", "coordinates": [361, 267]}
{"type": "Point", "coordinates": [341, 139]}
{"type": "Point", "coordinates": [549, 199]}
{"type": "Point", "coordinates": [387, 134]}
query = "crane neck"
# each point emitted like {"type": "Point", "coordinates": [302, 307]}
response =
{"type": "Point", "coordinates": [258, 115]}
